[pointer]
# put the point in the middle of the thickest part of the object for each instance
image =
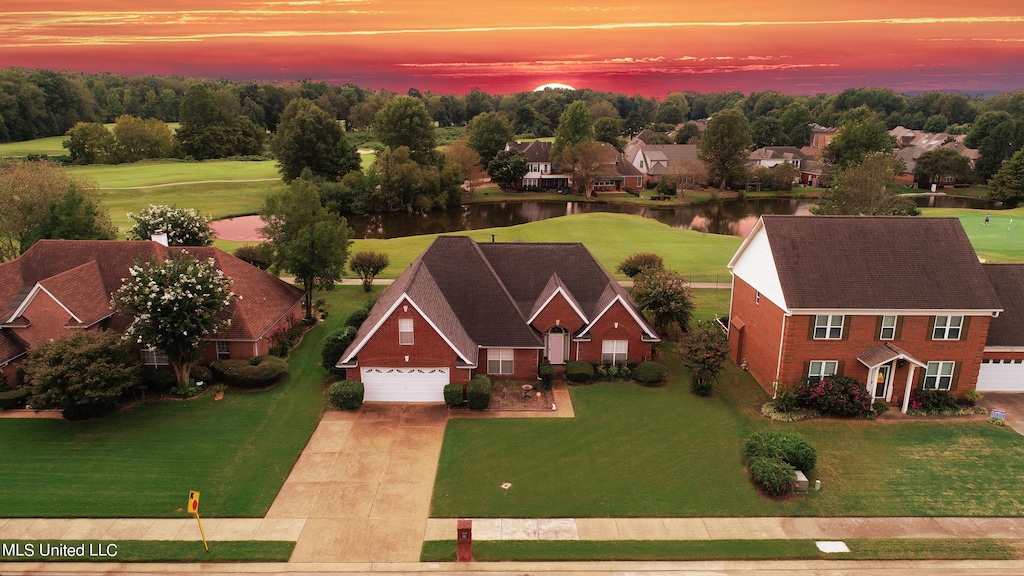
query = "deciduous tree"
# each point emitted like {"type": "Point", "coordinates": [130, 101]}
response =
{"type": "Point", "coordinates": [176, 303]}
{"type": "Point", "coordinates": [856, 140]}
{"type": "Point", "coordinates": [184, 226]}
{"type": "Point", "coordinates": [310, 138]}
{"type": "Point", "coordinates": [666, 298]}
{"type": "Point", "coordinates": [588, 161]}
{"type": "Point", "coordinates": [91, 143]}
{"type": "Point", "coordinates": [725, 145]}
{"type": "Point", "coordinates": [309, 242]}
{"type": "Point", "coordinates": [868, 189]}
{"type": "Point", "coordinates": [1008, 183]}
{"type": "Point", "coordinates": [574, 126]}
{"type": "Point", "coordinates": [933, 165]}
{"type": "Point", "coordinates": [84, 373]}
{"type": "Point", "coordinates": [404, 121]}
{"type": "Point", "coordinates": [507, 167]}
{"type": "Point", "coordinates": [639, 262]}
{"type": "Point", "coordinates": [368, 265]}
{"type": "Point", "coordinates": [705, 350]}
{"type": "Point", "coordinates": [488, 134]}
{"type": "Point", "coordinates": [76, 216]}
{"type": "Point", "coordinates": [141, 139]}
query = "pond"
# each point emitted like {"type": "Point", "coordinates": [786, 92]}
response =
{"type": "Point", "coordinates": [729, 217]}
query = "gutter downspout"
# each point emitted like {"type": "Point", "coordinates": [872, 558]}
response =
{"type": "Point", "coordinates": [778, 363]}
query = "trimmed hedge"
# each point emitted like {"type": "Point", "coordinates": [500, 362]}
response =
{"type": "Point", "coordinates": [453, 395]}
{"type": "Point", "coordinates": [547, 375]}
{"type": "Point", "coordinates": [579, 372]}
{"type": "Point", "coordinates": [773, 475]}
{"type": "Point", "coordinates": [256, 373]}
{"type": "Point", "coordinates": [478, 392]}
{"type": "Point", "coordinates": [12, 398]}
{"type": "Point", "coordinates": [650, 373]}
{"type": "Point", "coordinates": [334, 346]}
{"type": "Point", "coordinates": [346, 394]}
{"type": "Point", "coordinates": [791, 448]}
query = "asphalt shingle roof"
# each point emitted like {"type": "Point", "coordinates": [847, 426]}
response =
{"type": "Point", "coordinates": [1007, 329]}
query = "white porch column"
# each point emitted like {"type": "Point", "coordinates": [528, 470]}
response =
{"type": "Point", "coordinates": [906, 391]}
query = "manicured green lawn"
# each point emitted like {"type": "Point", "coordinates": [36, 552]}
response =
{"type": "Point", "coordinates": [635, 451]}
{"type": "Point", "coordinates": [710, 303]}
{"type": "Point", "coordinates": [611, 237]}
{"type": "Point", "coordinates": [50, 146]}
{"type": "Point", "coordinates": [142, 462]}
{"type": "Point", "coordinates": [1000, 241]}
{"type": "Point", "coordinates": [221, 200]}
{"type": "Point", "coordinates": [640, 550]}
{"type": "Point", "coordinates": [154, 172]}
{"type": "Point", "coordinates": [155, 551]}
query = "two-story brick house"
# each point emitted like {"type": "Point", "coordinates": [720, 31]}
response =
{"type": "Point", "coordinates": [500, 309]}
{"type": "Point", "coordinates": [896, 302]}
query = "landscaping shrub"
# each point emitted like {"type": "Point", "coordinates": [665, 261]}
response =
{"type": "Point", "coordinates": [841, 396]}
{"type": "Point", "coordinates": [639, 262]}
{"type": "Point", "coordinates": [453, 395]}
{"type": "Point", "coordinates": [157, 378]}
{"type": "Point", "coordinates": [973, 397]}
{"type": "Point", "coordinates": [880, 407]}
{"type": "Point", "coordinates": [284, 338]}
{"type": "Point", "coordinates": [187, 390]}
{"type": "Point", "coordinates": [357, 317]}
{"type": "Point", "coordinates": [933, 401]}
{"type": "Point", "coordinates": [789, 447]}
{"type": "Point", "coordinates": [786, 400]}
{"type": "Point", "coordinates": [579, 372]}
{"type": "Point", "coordinates": [346, 394]}
{"type": "Point", "coordinates": [201, 374]}
{"type": "Point", "coordinates": [334, 346]}
{"type": "Point", "coordinates": [259, 255]}
{"type": "Point", "coordinates": [256, 373]}
{"type": "Point", "coordinates": [13, 398]}
{"type": "Point", "coordinates": [772, 475]}
{"type": "Point", "coordinates": [547, 375]}
{"type": "Point", "coordinates": [478, 392]}
{"type": "Point", "coordinates": [650, 373]}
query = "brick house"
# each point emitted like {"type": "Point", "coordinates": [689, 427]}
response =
{"type": "Point", "coordinates": [464, 308]}
{"type": "Point", "coordinates": [62, 285]}
{"type": "Point", "coordinates": [896, 302]}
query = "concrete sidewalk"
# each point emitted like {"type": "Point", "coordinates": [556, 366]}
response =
{"type": "Point", "coordinates": [771, 528]}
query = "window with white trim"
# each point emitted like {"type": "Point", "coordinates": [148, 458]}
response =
{"type": "Point", "coordinates": [405, 331]}
{"type": "Point", "coordinates": [223, 350]}
{"type": "Point", "coordinates": [821, 369]}
{"type": "Point", "coordinates": [939, 375]}
{"type": "Point", "coordinates": [614, 351]}
{"type": "Point", "coordinates": [828, 327]}
{"type": "Point", "coordinates": [947, 327]}
{"type": "Point", "coordinates": [888, 331]}
{"type": "Point", "coordinates": [154, 357]}
{"type": "Point", "coordinates": [500, 361]}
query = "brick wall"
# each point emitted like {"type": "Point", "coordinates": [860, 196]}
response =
{"type": "Point", "coordinates": [524, 364]}
{"type": "Point", "coordinates": [47, 319]}
{"type": "Point", "coordinates": [862, 334]}
{"type": "Point", "coordinates": [558, 312]}
{"type": "Point", "coordinates": [757, 341]}
{"type": "Point", "coordinates": [616, 324]}
{"type": "Point", "coordinates": [428, 350]}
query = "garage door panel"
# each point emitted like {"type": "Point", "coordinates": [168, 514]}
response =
{"type": "Point", "coordinates": [1001, 377]}
{"type": "Point", "coordinates": [404, 384]}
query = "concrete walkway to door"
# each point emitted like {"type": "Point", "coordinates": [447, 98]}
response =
{"type": "Point", "coordinates": [363, 484]}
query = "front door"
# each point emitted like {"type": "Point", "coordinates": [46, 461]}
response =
{"type": "Point", "coordinates": [556, 347]}
{"type": "Point", "coordinates": [882, 381]}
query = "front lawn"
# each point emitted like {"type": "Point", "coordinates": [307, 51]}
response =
{"type": "Point", "coordinates": [635, 451]}
{"type": "Point", "coordinates": [143, 461]}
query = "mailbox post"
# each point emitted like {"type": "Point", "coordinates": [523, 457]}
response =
{"type": "Point", "coordinates": [465, 546]}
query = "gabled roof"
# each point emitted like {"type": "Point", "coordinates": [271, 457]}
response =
{"type": "Point", "coordinates": [484, 295]}
{"type": "Point", "coordinates": [535, 151]}
{"type": "Point", "coordinates": [82, 274]}
{"type": "Point", "coordinates": [12, 346]}
{"type": "Point", "coordinates": [778, 153]}
{"type": "Point", "coordinates": [875, 263]}
{"type": "Point", "coordinates": [1007, 280]}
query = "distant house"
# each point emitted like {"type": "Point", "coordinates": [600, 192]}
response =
{"type": "Point", "coordinates": [679, 160]}
{"type": "Point", "coordinates": [771, 156]}
{"type": "Point", "coordinates": [899, 303]}
{"type": "Point", "coordinates": [538, 161]}
{"type": "Point", "coordinates": [58, 286]}
{"type": "Point", "coordinates": [465, 308]}
{"type": "Point", "coordinates": [911, 144]}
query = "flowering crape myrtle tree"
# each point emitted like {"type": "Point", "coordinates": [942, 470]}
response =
{"type": "Point", "coordinates": [184, 226]}
{"type": "Point", "coordinates": [176, 303]}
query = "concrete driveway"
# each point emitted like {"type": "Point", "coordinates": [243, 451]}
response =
{"type": "Point", "coordinates": [363, 484]}
{"type": "Point", "coordinates": [1009, 402]}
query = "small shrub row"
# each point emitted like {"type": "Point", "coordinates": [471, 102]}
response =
{"type": "Point", "coordinates": [256, 373]}
{"type": "Point", "coordinates": [944, 403]}
{"type": "Point", "coordinates": [478, 393]}
{"type": "Point", "coordinates": [578, 371]}
{"type": "Point", "coordinates": [346, 394]}
{"type": "Point", "coordinates": [772, 475]}
{"type": "Point", "coordinates": [613, 372]}
{"type": "Point", "coordinates": [13, 398]}
{"type": "Point", "coordinates": [453, 395]}
{"type": "Point", "coordinates": [284, 338]}
{"type": "Point", "coordinates": [546, 372]}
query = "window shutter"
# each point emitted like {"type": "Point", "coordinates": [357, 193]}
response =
{"type": "Point", "coordinates": [899, 328]}
{"type": "Point", "coordinates": [963, 327]}
{"type": "Point", "coordinates": [807, 368]}
{"type": "Point", "coordinates": [846, 328]}
{"type": "Point", "coordinates": [810, 329]}
{"type": "Point", "coordinates": [839, 367]}
{"type": "Point", "coordinates": [931, 329]}
{"type": "Point", "coordinates": [956, 375]}
{"type": "Point", "coordinates": [878, 327]}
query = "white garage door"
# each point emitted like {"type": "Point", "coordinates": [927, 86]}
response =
{"type": "Point", "coordinates": [404, 384]}
{"type": "Point", "coordinates": [1001, 376]}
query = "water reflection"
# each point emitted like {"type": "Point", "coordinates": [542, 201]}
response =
{"type": "Point", "coordinates": [729, 217]}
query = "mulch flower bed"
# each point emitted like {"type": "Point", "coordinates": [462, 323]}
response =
{"type": "Point", "coordinates": [508, 395]}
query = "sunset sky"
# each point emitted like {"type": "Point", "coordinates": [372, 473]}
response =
{"type": "Point", "coordinates": [646, 47]}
